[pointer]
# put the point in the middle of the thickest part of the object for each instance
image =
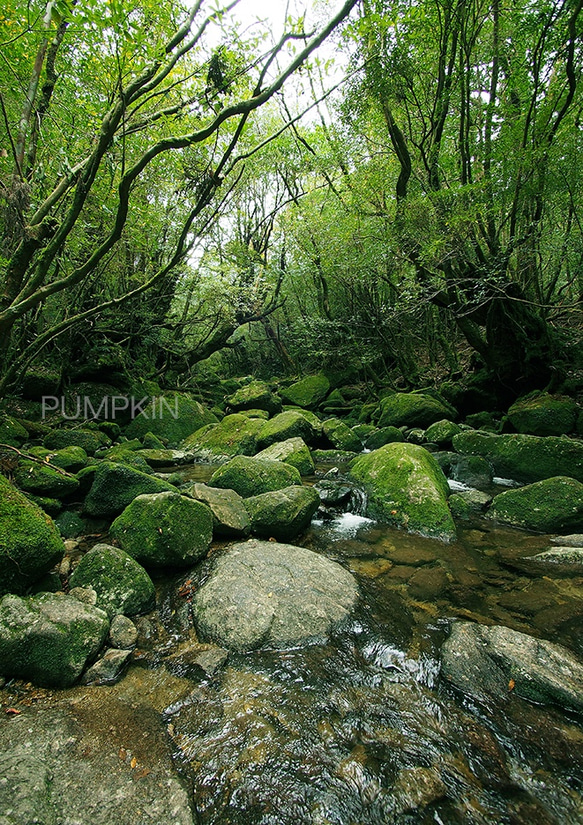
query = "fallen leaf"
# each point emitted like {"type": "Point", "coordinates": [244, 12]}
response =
{"type": "Point", "coordinates": [511, 684]}
{"type": "Point", "coordinates": [134, 762]}
{"type": "Point", "coordinates": [12, 712]}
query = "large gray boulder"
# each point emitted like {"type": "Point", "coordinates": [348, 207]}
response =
{"type": "Point", "coordinates": [490, 662]}
{"type": "Point", "coordinates": [262, 592]}
{"type": "Point", "coordinates": [49, 638]}
{"type": "Point", "coordinates": [230, 518]}
{"type": "Point", "coordinates": [282, 514]}
{"type": "Point", "coordinates": [164, 530]}
{"type": "Point", "coordinates": [30, 544]}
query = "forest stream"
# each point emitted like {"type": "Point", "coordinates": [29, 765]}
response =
{"type": "Point", "coordinates": [359, 729]}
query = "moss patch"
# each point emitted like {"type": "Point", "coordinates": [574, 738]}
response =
{"type": "Point", "coordinates": [253, 476]}
{"type": "Point", "coordinates": [550, 506]}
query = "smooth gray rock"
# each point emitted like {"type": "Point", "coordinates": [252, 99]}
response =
{"type": "Point", "coordinates": [490, 662]}
{"type": "Point", "coordinates": [230, 518]}
{"type": "Point", "coordinates": [268, 593]}
{"type": "Point", "coordinates": [123, 633]}
{"type": "Point", "coordinates": [108, 669]}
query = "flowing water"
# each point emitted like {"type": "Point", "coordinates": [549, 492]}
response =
{"type": "Point", "coordinates": [363, 730]}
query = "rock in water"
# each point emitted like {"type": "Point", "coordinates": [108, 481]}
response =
{"type": "Point", "coordinates": [488, 662]}
{"type": "Point", "coordinates": [267, 593]}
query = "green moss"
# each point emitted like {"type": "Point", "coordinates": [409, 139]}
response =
{"type": "Point", "coordinates": [122, 585]}
{"type": "Point", "coordinates": [235, 435]}
{"type": "Point", "coordinates": [341, 436]}
{"type": "Point", "coordinates": [554, 505]}
{"type": "Point", "coordinates": [71, 459]}
{"type": "Point", "coordinates": [386, 435]}
{"type": "Point", "coordinates": [442, 432]}
{"type": "Point", "coordinates": [158, 419]}
{"type": "Point", "coordinates": [543, 414]}
{"type": "Point", "coordinates": [253, 476]}
{"type": "Point", "coordinates": [308, 392]}
{"type": "Point", "coordinates": [11, 432]}
{"type": "Point", "coordinates": [407, 488]}
{"type": "Point", "coordinates": [524, 457]}
{"type": "Point", "coordinates": [165, 529]}
{"type": "Point", "coordinates": [255, 395]}
{"type": "Point", "coordinates": [282, 514]}
{"type": "Point", "coordinates": [412, 410]}
{"type": "Point", "coordinates": [152, 442]}
{"type": "Point", "coordinates": [293, 451]}
{"type": "Point", "coordinates": [44, 480]}
{"type": "Point", "coordinates": [289, 424]}
{"type": "Point", "coordinates": [89, 440]}
{"type": "Point", "coordinates": [116, 485]}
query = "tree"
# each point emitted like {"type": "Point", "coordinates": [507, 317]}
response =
{"type": "Point", "coordinates": [130, 103]}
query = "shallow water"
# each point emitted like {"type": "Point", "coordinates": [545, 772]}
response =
{"type": "Point", "coordinates": [363, 730]}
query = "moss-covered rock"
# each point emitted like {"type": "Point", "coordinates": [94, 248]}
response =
{"type": "Point", "coordinates": [255, 395]}
{"type": "Point", "coordinates": [30, 544]}
{"type": "Point", "coordinates": [472, 470]}
{"type": "Point", "coordinates": [543, 414]}
{"type": "Point", "coordinates": [235, 435]}
{"type": "Point", "coordinates": [412, 409]}
{"type": "Point", "coordinates": [39, 381]}
{"type": "Point", "coordinates": [164, 530]}
{"type": "Point", "coordinates": [332, 456]}
{"type": "Point", "coordinates": [407, 488]}
{"type": "Point", "coordinates": [282, 514]}
{"type": "Point", "coordinates": [163, 458]}
{"type": "Point", "coordinates": [308, 392]}
{"type": "Point", "coordinates": [48, 639]}
{"type": "Point", "coordinates": [288, 424]}
{"type": "Point", "coordinates": [230, 518]}
{"type": "Point", "coordinates": [524, 457]}
{"type": "Point", "coordinates": [550, 506]}
{"type": "Point", "coordinates": [71, 459]}
{"type": "Point", "coordinates": [89, 440]}
{"type": "Point", "coordinates": [11, 432]}
{"type": "Point", "coordinates": [364, 431]}
{"type": "Point", "coordinates": [122, 454]}
{"type": "Point", "coordinates": [384, 435]}
{"type": "Point", "coordinates": [152, 442]}
{"type": "Point", "coordinates": [43, 480]}
{"type": "Point", "coordinates": [172, 418]}
{"type": "Point", "coordinates": [70, 524]}
{"type": "Point", "coordinates": [467, 503]}
{"type": "Point", "coordinates": [442, 432]}
{"type": "Point", "coordinates": [292, 451]}
{"type": "Point", "coordinates": [253, 476]}
{"type": "Point", "coordinates": [117, 485]}
{"type": "Point", "coordinates": [263, 414]}
{"type": "Point", "coordinates": [341, 436]}
{"type": "Point", "coordinates": [122, 585]}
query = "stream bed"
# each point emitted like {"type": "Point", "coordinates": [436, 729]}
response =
{"type": "Point", "coordinates": [358, 731]}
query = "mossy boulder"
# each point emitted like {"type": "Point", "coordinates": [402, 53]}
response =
{"type": "Point", "coordinates": [341, 436]}
{"type": "Point", "coordinates": [122, 454]}
{"type": "Point", "coordinates": [163, 458]}
{"type": "Point", "coordinates": [550, 506]}
{"type": "Point", "coordinates": [39, 381]}
{"type": "Point", "coordinates": [253, 476]}
{"type": "Point", "coordinates": [41, 479]}
{"type": "Point", "coordinates": [442, 432]}
{"type": "Point", "coordinates": [412, 409]}
{"type": "Point", "coordinates": [89, 440]}
{"type": "Point", "coordinates": [282, 514]}
{"type": "Point", "coordinates": [308, 393]}
{"type": "Point", "coordinates": [48, 639]}
{"type": "Point", "coordinates": [12, 432]}
{"type": "Point", "coordinates": [170, 417]}
{"type": "Point", "coordinates": [152, 442]}
{"type": "Point", "coordinates": [117, 485]}
{"type": "Point", "coordinates": [364, 431]}
{"type": "Point", "coordinates": [255, 395]}
{"type": "Point", "coordinates": [71, 459]}
{"type": "Point", "coordinates": [255, 414]}
{"type": "Point", "coordinates": [293, 451]}
{"type": "Point", "coordinates": [384, 435]}
{"type": "Point", "coordinates": [70, 524]}
{"type": "Point", "coordinates": [235, 435]}
{"type": "Point", "coordinates": [524, 458]}
{"type": "Point", "coordinates": [468, 503]}
{"type": "Point", "coordinates": [406, 487]}
{"type": "Point", "coordinates": [230, 518]}
{"type": "Point", "coordinates": [30, 544]}
{"type": "Point", "coordinates": [122, 585]}
{"type": "Point", "coordinates": [543, 414]}
{"type": "Point", "coordinates": [164, 530]}
{"type": "Point", "coordinates": [288, 424]}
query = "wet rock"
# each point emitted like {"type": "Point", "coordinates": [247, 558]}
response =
{"type": "Point", "coordinates": [412, 410]}
{"type": "Point", "coordinates": [196, 661]}
{"type": "Point", "coordinates": [108, 669]}
{"type": "Point", "coordinates": [543, 414]}
{"type": "Point", "coordinates": [88, 440]}
{"type": "Point", "coordinates": [116, 485]}
{"type": "Point", "coordinates": [467, 503]}
{"type": "Point", "coordinates": [121, 584]}
{"type": "Point", "coordinates": [30, 544]}
{"type": "Point", "coordinates": [341, 436]}
{"type": "Point", "coordinates": [407, 488]}
{"type": "Point", "coordinates": [416, 788]}
{"type": "Point", "coordinates": [574, 540]}
{"type": "Point", "coordinates": [230, 518]}
{"type": "Point", "coordinates": [49, 638]}
{"type": "Point", "coordinates": [70, 524]}
{"type": "Point", "coordinates": [123, 634]}
{"type": "Point", "coordinates": [255, 395]}
{"type": "Point", "coordinates": [268, 593]}
{"type": "Point", "coordinates": [428, 583]}
{"type": "Point", "coordinates": [164, 530]}
{"type": "Point", "coordinates": [490, 662]}
{"type": "Point", "coordinates": [525, 458]}
{"type": "Point", "coordinates": [548, 506]}
{"type": "Point", "coordinates": [235, 435]}
{"type": "Point", "coordinates": [172, 418]}
{"type": "Point", "coordinates": [253, 476]}
{"type": "Point", "coordinates": [308, 393]}
{"type": "Point", "coordinates": [332, 456]}
{"type": "Point", "coordinates": [293, 451]}
{"type": "Point", "coordinates": [283, 514]}
{"type": "Point", "coordinates": [12, 432]}
{"type": "Point", "coordinates": [163, 458]}
{"type": "Point", "coordinates": [557, 561]}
